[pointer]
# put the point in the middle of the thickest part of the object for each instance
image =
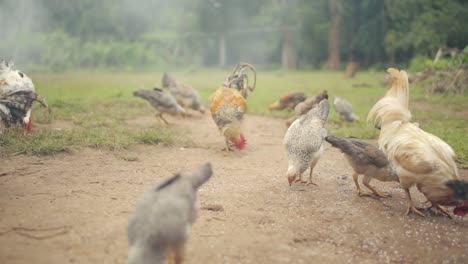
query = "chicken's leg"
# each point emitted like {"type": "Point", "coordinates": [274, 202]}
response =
{"type": "Point", "coordinates": [162, 118]}
{"type": "Point", "coordinates": [312, 165]}
{"type": "Point", "coordinates": [170, 259]}
{"type": "Point", "coordinates": [366, 182]}
{"type": "Point", "coordinates": [179, 254]}
{"type": "Point", "coordinates": [228, 148]}
{"type": "Point", "coordinates": [411, 207]}
{"type": "Point", "coordinates": [358, 188]}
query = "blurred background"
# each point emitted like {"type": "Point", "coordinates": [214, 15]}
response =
{"type": "Point", "coordinates": [290, 34]}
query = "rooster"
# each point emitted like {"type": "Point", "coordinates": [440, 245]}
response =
{"type": "Point", "coordinates": [288, 101]}
{"type": "Point", "coordinates": [162, 102]}
{"type": "Point", "coordinates": [160, 225]}
{"type": "Point", "coordinates": [239, 80]}
{"type": "Point", "coordinates": [420, 158]}
{"type": "Point", "coordinates": [228, 105]}
{"type": "Point", "coordinates": [302, 108]}
{"type": "Point", "coordinates": [366, 159]}
{"type": "Point", "coordinates": [185, 95]}
{"type": "Point", "coordinates": [17, 94]}
{"type": "Point", "coordinates": [304, 142]}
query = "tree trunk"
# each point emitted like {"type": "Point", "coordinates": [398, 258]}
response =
{"type": "Point", "coordinates": [333, 38]}
{"type": "Point", "coordinates": [288, 51]}
{"type": "Point", "coordinates": [222, 49]}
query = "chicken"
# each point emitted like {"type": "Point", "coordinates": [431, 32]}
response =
{"type": "Point", "coordinates": [227, 110]}
{"type": "Point", "coordinates": [161, 223]}
{"type": "Point", "coordinates": [14, 107]}
{"type": "Point", "coordinates": [344, 109]}
{"type": "Point", "coordinates": [304, 107]}
{"type": "Point", "coordinates": [460, 193]}
{"type": "Point", "coordinates": [304, 142]}
{"type": "Point", "coordinates": [420, 158]}
{"type": "Point", "coordinates": [228, 105]}
{"type": "Point", "coordinates": [365, 159]}
{"type": "Point", "coordinates": [288, 101]}
{"type": "Point", "coordinates": [186, 95]}
{"type": "Point", "coordinates": [162, 102]}
{"type": "Point", "coordinates": [239, 80]}
{"type": "Point", "coordinates": [18, 93]}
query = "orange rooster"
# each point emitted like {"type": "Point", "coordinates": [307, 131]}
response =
{"type": "Point", "coordinates": [228, 106]}
{"type": "Point", "coordinates": [420, 158]}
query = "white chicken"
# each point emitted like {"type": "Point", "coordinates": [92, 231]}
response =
{"type": "Point", "coordinates": [420, 158]}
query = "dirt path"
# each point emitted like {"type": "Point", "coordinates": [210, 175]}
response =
{"type": "Point", "coordinates": [89, 195]}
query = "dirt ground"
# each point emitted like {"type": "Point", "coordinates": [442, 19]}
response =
{"type": "Point", "coordinates": [74, 207]}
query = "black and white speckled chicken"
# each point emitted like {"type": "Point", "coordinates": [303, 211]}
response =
{"type": "Point", "coordinates": [304, 142]}
{"type": "Point", "coordinates": [161, 223]}
{"type": "Point", "coordinates": [17, 94]}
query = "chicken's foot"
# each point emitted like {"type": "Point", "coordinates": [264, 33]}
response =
{"type": "Point", "coordinates": [309, 181]}
{"type": "Point", "coordinates": [366, 182]}
{"type": "Point", "coordinates": [227, 148]}
{"type": "Point", "coordinates": [358, 188]}
{"type": "Point", "coordinates": [411, 207]}
{"type": "Point", "coordinates": [439, 208]}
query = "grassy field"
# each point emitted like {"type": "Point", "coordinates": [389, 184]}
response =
{"type": "Point", "coordinates": [97, 104]}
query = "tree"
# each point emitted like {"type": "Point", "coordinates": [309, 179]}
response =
{"type": "Point", "coordinates": [334, 36]}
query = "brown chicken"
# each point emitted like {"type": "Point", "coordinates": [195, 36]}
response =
{"type": "Point", "coordinates": [288, 101]}
{"type": "Point", "coordinates": [302, 108]}
{"type": "Point", "coordinates": [420, 158]}
{"type": "Point", "coordinates": [365, 159]}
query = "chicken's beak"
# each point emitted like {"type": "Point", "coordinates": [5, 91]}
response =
{"type": "Point", "coordinates": [291, 180]}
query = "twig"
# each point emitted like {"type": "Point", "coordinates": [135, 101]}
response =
{"type": "Point", "coordinates": [22, 231]}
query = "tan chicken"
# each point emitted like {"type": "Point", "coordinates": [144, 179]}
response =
{"type": "Point", "coordinates": [186, 95]}
{"type": "Point", "coordinates": [365, 159]}
{"type": "Point", "coordinates": [420, 158]}
{"type": "Point", "coordinates": [228, 105]}
{"type": "Point", "coordinates": [304, 142]}
{"type": "Point", "coordinates": [302, 108]}
{"type": "Point", "coordinates": [288, 101]}
{"type": "Point", "coordinates": [158, 229]}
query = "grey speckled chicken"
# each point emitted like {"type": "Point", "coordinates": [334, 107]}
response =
{"type": "Point", "coordinates": [185, 95]}
{"type": "Point", "coordinates": [344, 109]}
{"type": "Point", "coordinates": [304, 142]}
{"type": "Point", "coordinates": [365, 159]}
{"type": "Point", "coordinates": [163, 219]}
{"type": "Point", "coordinates": [162, 102]}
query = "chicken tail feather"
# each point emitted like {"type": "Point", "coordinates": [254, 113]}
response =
{"type": "Point", "coordinates": [394, 105]}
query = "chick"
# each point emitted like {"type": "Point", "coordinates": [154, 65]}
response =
{"type": "Point", "coordinates": [365, 159]}
{"type": "Point", "coordinates": [162, 102]}
{"type": "Point", "coordinates": [345, 110]}
{"type": "Point", "coordinates": [161, 223]}
{"type": "Point", "coordinates": [304, 142]}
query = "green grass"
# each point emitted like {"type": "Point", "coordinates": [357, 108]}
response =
{"type": "Point", "coordinates": [97, 105]}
